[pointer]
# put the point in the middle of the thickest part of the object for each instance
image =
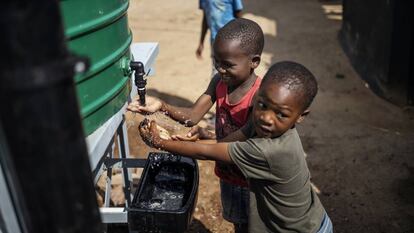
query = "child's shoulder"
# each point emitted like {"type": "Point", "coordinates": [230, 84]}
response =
{"type": "Point", "coordinates": [211, 89]}
{"type": "Point", "coordinates": [287, 143]}
{"type": "Point", "coordinates": [215, 80]}
{"type": "Point", "coordinates": [289, 139]}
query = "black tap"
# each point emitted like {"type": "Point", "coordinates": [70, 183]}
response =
{"type": "Point", "coordinates": [140, 82]}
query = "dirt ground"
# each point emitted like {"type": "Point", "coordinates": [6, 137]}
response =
{"type": "Point", "coordinates": [359, 147]}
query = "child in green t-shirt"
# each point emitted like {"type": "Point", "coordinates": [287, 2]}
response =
{"type": "Point", "coordinates": [281, 197]}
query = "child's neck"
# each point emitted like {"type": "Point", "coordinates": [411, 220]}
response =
{"type": "Point", "coordinates": [244, 85]}
{"type": "Point", "coordinates": [235, 94]}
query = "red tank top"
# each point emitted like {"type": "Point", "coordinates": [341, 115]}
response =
{"type": "Point", "coordinates": [229, 118]}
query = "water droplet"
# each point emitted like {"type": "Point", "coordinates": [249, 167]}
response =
{"type": "Point", "coordinates": [80, 67]}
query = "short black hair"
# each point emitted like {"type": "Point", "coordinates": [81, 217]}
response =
{"type": "Point", "coordinates": [295, 77]}
{"type": "Point", "coordinates": [247, 32]}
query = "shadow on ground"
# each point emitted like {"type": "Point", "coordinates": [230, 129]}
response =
{"type": "Point", "coordinates": [360, 147]}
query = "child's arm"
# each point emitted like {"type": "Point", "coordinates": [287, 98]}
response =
{"type": "Point", "coordinates": [153, 104]}
{"type": "Point", "coordinates": [189, 116]}
{"type": "Point", "coordinates": [204, 151]}
{"type": "Point", "coordinates": [198, 132]}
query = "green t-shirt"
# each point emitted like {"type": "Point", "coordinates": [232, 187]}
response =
{"type": "Point", "coordinates": [281, 197]}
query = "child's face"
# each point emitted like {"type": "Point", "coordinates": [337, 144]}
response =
{"type": "Point", "coordinates": [232, 63]}
{"type": "Point", "coordinates": [276, 110]}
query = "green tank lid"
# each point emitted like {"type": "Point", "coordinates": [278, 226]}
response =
{"type": "Point", "coordinates": [98, 29]}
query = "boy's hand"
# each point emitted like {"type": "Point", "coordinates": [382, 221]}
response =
{"type": "Point", "coordinates": [204, 133]}
{"type": "Point", "coordinates": [149, 133]}
{"type": "Point", "coordinates": [195, 133]}
{"type": "Point", "coordinates": [152, 105]}
{"type": "Point", "coordinates": [192, 135]}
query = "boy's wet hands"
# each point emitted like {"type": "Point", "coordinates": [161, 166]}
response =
{"type": "Point", "coordinates": [204, 133]}
{"type": "Point", "coordinates": [192, 135]}
{"type": "Point", "coordinates": [195, 133]}
{"type": "Point", "coordinates": [152, 105]}
{"type": "Point", "coordinates": [149, 133]}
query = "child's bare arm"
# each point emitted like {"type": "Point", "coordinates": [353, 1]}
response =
{"type": "Point", "coordinates": [191, 116]}
{"type": "Point", "coordinates": [214, 151]}
{"type": "Point", "coordinates": [188, 116]}
{"type": "Point", "coordinates": [197, 133]}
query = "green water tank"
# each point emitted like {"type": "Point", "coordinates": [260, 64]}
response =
{"type": "Point", "coordinates": [99, 30]}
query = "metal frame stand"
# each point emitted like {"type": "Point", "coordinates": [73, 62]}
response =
{"type": "Point", "coordinates": [107, 164]}
{"type": "Point", "coordinates": [101, 145]}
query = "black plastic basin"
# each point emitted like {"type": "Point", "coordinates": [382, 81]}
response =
{"type": "Point", "coordinates": [166, 196]}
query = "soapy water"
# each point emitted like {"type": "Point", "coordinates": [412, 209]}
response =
{"type": "Point", "coordinates": [168, 189]}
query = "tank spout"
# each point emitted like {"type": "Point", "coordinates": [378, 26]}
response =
{"type": "Point", "coordinates": [140, 81]}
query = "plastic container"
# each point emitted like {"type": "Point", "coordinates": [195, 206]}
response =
{"type": "Point", "coordinates": [99, 30]}
{"type": "Point", "coordinates": [166, 196]}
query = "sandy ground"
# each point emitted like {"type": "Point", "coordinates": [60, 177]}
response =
{"type": "Point", "coordinates": [359, 147]}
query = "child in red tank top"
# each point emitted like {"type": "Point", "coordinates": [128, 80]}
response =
{"type": "Point", "coordinates": [237, 50]}
{"type": "Point", "coordinates": [229, 118]}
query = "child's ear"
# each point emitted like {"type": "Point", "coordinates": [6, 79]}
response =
{"type": "Point", "coordinates": [302, 116]}
{"type": "Point", "coordinates": [255, 61]}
